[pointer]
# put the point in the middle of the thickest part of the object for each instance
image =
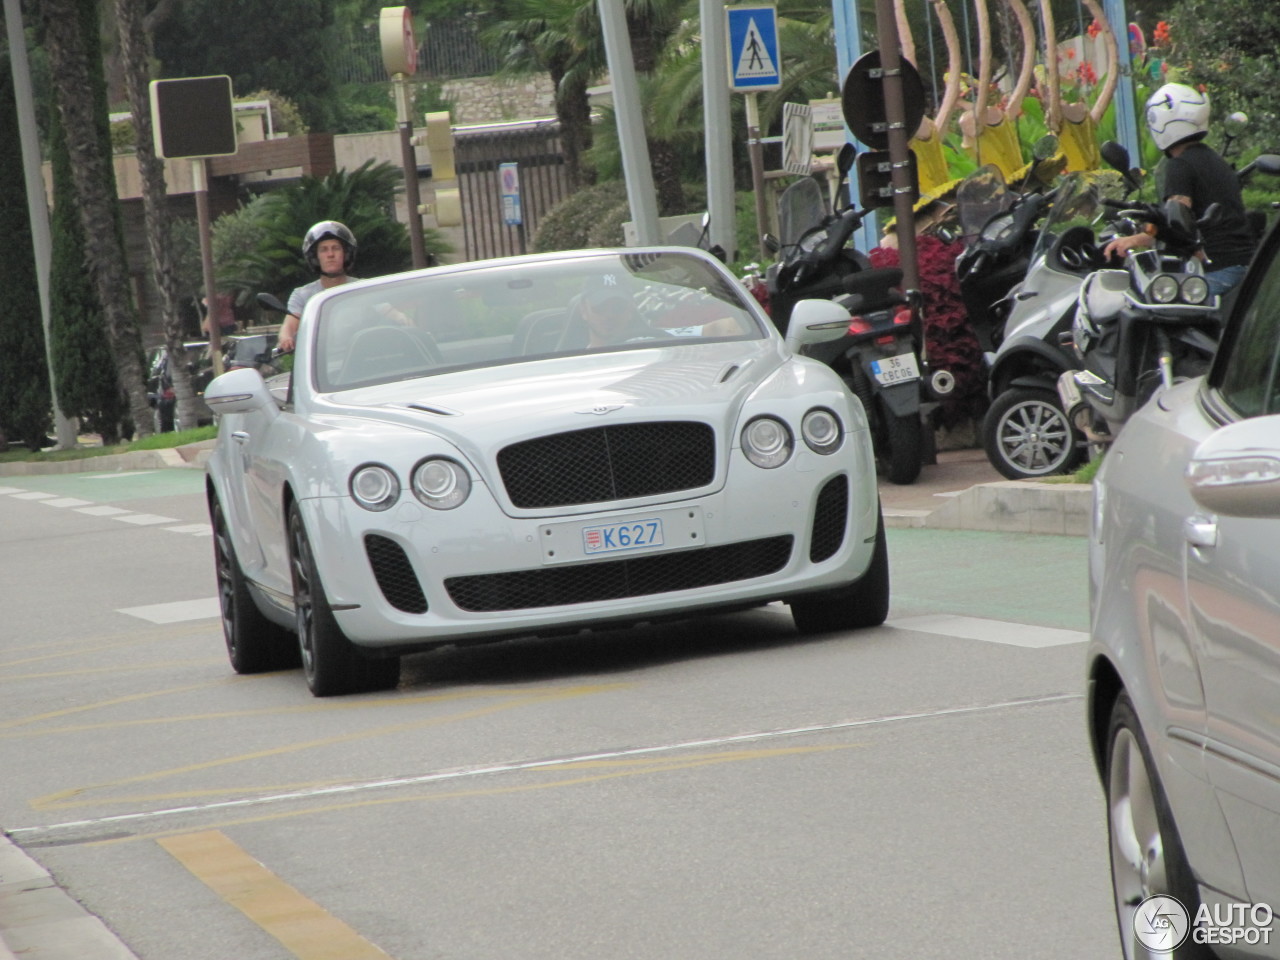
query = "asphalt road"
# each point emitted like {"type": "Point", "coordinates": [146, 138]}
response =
{"type": "Point", "coordinates": [718, 789]}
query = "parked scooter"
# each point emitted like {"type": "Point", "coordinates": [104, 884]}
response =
{"type": "Point", "coordinates": [1148, 325]}
{"type": "Point", "coordinates": [1026, 432]}
{"type": "Point", "coordinates": [879, 358]}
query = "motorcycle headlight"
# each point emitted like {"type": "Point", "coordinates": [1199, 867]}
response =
{"type": "Point", "coordinates": [374, 486]}
{"type": "Point", "coordinates": [821, 431]}
{"type": "Point", "coordinates": [441, 483]}
{"type": "Point", "coordinates": [1195, 290]}
{"type": "Point", "coordinates": [1163, 289]}
{"type": "Point", "coordinates": [767, 442]}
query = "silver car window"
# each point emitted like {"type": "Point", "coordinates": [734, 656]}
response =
{"type": "Point", "coordinates": [1249, 383]}
{"type": "Point", "coordinates": [517, 311]}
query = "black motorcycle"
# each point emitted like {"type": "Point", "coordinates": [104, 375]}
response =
{"type": "Point", "coordinates": [880, 356]}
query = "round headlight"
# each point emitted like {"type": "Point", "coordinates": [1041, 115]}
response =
{"type": "Point", "coordinates": [767, 442]}
{"type": "Point", "coordinates": [374, 486]}
{"type": "Point", "coordinates": [1195, 290]}
{"type": "Point", "coordinates": [821, 431]}
{"type": "Point", "coordinates": [1163, 289]}
{"type": "Point", "coordinates": [440, 483]}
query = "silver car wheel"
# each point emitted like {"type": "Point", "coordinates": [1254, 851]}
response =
{"type": "Point", "coordinates": [304, 611]}
{"type": "Point", "coordinates": [1137, 846]}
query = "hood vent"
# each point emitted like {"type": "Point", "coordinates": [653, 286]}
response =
{"type": "Point", "coordinates": [435, 411]}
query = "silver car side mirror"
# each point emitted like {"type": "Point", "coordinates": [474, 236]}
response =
{"type": "Point", "coordinates": [816, 321]}
{"type": "Point", "coordinates": [1236, 470]}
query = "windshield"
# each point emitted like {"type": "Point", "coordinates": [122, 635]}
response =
{"type": "Point", "coordinates": [1077, 202]}
{"type": "Point", "coordinates": [981, 196]}
{"type": "Point", "coordinates": [509, 312]}
{"type": "Point", "coordinates": [801, 207]}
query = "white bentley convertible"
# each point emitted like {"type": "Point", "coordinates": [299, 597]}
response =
{"type": "Point", "coordinates": [520, 446]}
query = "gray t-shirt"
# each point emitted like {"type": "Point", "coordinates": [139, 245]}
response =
{"type": "Point", "coordinates": [298, 299]}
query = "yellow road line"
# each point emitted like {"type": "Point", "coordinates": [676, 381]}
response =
{"type": "Point", "coordinates": [130, 668]}
{"type": "Point", "coordinates": [302, 926]}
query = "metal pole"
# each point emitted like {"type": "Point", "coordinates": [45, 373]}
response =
{"type": "Point", "coordinates": [37, 205]}
{"type": "Point", "coordinates": [409, 161]}
{"type": "Point", "coordinates": [756, 151]}
{"type": "Point", "coordinates": [1126, 109]}
{"type": "Point", "coordinates": [626, 101]}
{"type": "Point", "coordinates": [717, 129]}
{"type": "Point", "coordinates": [899, 152]}
{"type": "Point", "coordinates": [848, 29]}
{"type": "Point", "coordinates": [200, 180]}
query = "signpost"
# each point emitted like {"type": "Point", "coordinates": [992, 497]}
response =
{"type": "Point", "coordinates": [754, 65]}
{"type": "Point", "coordinates": [509, 182]}
{"type": "Point", "coordinates": [194, 118]}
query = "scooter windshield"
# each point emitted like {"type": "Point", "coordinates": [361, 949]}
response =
{"type": "Point", "coordinates": [981, 196]}
{"type": "Point", "coordinates": [1077, 202]}
{"type": "Point", "coordinates": [800, 208]}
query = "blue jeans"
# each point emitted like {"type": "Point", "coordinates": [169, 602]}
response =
{"type": "Point", "coordinates": [1221, 282]}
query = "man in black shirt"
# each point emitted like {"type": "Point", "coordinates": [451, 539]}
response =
{"type": "Point", "coordinates": [1178, 118]}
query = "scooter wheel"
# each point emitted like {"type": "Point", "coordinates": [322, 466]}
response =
{"type": "Point", "coordinates": [905, 440]}
{"type": "Point", "coordinates": [1027, 435]}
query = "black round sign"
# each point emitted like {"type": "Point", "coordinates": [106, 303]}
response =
{"type": "Point", "coordinates": [862, 100]}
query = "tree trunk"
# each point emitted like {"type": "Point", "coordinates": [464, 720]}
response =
{"type": "Point", "coordinates": [573, 110]}
{"type": "Point", "coordinates": [155, 203]}
{"type": "Point", "coordinates": [91, 173]}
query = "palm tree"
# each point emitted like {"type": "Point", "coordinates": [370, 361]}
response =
{"type": "Point", "coordinates": [65, 32]}
{"type": "Point", "coordinates": [543, 36]}
{"type": "Point", "coordinates": [155, 201]}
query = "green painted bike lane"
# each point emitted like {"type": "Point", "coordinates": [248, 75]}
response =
{"type": "Point", "coordinates": [114, 487]}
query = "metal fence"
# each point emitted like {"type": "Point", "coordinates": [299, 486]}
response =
{"type": "Point", "coordinates": [450, 50]}
{"type": "Point", "coordinates": [535, 147]}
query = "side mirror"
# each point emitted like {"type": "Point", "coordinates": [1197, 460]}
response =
{"type": "Point", "coordinates": [1235, 124]}
{"type": "Point", "coordinates": [238, 391]}
{"type": "Point", "coordinates": [771, 244]}
{"type": "Point", "coordinates": [268, 302]}
{"type": "Point", "coordinates": [816, 321]}
{"type": "Point", "coordinates": [844, 159]}
{"type": "Point", "coordinates": [1236, 470]}
{"type": "Point", "coordinates": [1116, 155]}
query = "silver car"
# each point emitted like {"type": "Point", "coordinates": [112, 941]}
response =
{"type": "Point", "coordinates": [533, 445]}
{"type": "Point", "coordinates": [1184, 660]}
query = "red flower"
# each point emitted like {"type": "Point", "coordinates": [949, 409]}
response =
{"type": "Point", "coordinates": [1088, 74]}
{"type": "Point", "coordinates": [1161, 36]}
{"type": "Point", "coordinates": [1095, 28]}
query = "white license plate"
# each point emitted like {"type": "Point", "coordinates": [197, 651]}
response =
{"type": "Point", "coordinates": [660, 530]}
{"type": "Point", "coordinates": [629, 535]}
{"type": "Point", "coordinates": [896, 369]}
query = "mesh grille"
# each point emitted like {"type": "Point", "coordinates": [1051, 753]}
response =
{"type": "Point", "coordinates": [829, 519]}
{"type": "Point", "coordinates": [394, 573]}
{"type": "Point", "coordinates": [614, 579]}
{"type": "Point", "coordinates": [608, 463]}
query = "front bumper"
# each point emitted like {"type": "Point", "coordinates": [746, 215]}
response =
{"type": "Point", "coordinates": [414, 577]}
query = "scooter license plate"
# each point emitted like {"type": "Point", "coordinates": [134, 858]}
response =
{"type": "Point", "coordinates": [896, 369]}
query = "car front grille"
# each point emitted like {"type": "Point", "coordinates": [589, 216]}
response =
{"type": "Point", "coordinates": [613, 462]}
{"type": "Point", "coordinates": [616, 579]}
{"type": "Point", "coordinates": [830, 517]}
{"type": "Point", "coordinates": [394, 573]}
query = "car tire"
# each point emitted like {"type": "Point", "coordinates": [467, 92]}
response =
{"type": "Point", "coordinates": [254, 643]}
{"type": "Point", "coordinates": [862, 603]}
{"type": "Point", "coordinates": [330, 662]}
{"type": "Point", "coordinates": [1027, 435]}
{"type": "Point", "coordinates": [1147, 858]}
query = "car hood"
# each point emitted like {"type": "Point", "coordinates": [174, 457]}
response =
{"type": "Point", "coordinates": [545, 396]}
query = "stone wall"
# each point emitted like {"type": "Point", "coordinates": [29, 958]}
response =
{"type": "Point", "coordinates": [493, 99]}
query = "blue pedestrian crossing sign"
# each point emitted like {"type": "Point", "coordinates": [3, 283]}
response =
{"type": "Point", "coordinates": [754, 63]}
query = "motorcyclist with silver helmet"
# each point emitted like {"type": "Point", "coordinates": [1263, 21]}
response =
{"type": "Point", "coordinates": [1194, 174]}
{"type": "Point", "coordinates": [329, 247]}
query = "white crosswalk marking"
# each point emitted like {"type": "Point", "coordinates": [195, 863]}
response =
{"type": "Point", "coordinates": [193, 528]}
{"type": "Point", "coordinates": [991, 631]}
{"type": "Point", "coordinates": [102, 510]}
{"type": "Point", "coordinates": [33, 495]}
{"type": "Point", "coordinates": [7, 490]}
{"type": "Point", "coordinates": [145, 519]}
{"type": "Point", "coordinates": [176, 612]}
{"type": "Point", "coordinates": [64, 502]}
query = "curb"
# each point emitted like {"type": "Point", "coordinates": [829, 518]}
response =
{"type": "Point", "coordinates": [192, 456]}
{"type": "Point", "coordinates": [40, 921]}
{"type": "Point", "coordinates": [1008, 506]}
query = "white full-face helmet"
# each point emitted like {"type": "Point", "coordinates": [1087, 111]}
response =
{"type": "Point", "coordinates": [1177, 112]}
